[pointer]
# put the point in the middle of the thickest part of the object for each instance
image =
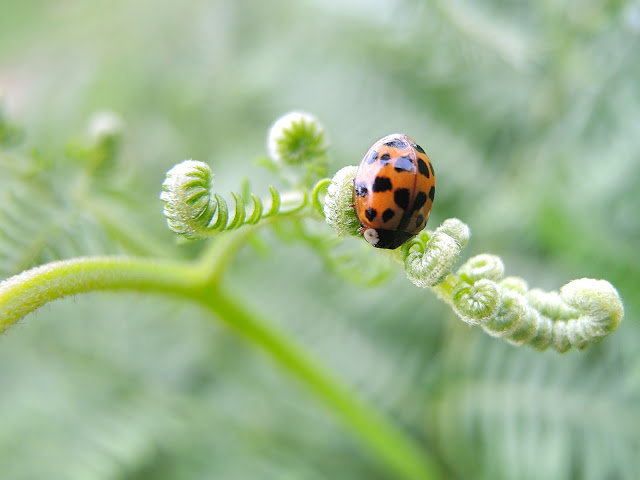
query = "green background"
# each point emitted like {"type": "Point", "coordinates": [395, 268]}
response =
{"type": "Point", "coordinates": [530, 112]}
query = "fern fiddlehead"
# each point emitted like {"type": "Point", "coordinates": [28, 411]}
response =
{"type": "Point", "coordinates": [297, 147]}
{"type": "Point", "coordinates": [193, 210]}
{"type": "Point", "coordinates": [581, 313]}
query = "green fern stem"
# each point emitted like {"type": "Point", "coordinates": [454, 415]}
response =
{"type": "Point", "coordinates": [24, 293]}
{"type": "Point", "coordinates": [27, 291]}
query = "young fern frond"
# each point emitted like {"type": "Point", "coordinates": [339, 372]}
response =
{"type": "Point", "coordinates": [297, 148]}
{"type": "Point", "coordinates": [195, 211]}
{"type": "Point", "coordinates": [436, 255]}
{"type": "Point", "coordinates": [582, 313]}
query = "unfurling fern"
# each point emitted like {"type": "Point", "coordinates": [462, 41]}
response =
{"type": "Point", "coordinates": [195, 211]}
{"type": "Point", "coordinates": [582, 313]}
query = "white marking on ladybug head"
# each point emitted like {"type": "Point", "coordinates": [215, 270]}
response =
{"type": "Point", "coordinates": [371, 236]}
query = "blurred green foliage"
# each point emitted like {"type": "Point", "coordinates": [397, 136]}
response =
{"type": "Point", "coordinates": [530, 112]}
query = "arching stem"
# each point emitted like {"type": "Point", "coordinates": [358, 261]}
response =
{"type": "Point", "coordinates": [30, 290]}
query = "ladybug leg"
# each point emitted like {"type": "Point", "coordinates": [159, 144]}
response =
{"type": "Point", "coordinates": [361, 230]}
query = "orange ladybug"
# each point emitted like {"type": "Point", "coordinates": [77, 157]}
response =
{"type": "Point", "coordinates": [393, 191]}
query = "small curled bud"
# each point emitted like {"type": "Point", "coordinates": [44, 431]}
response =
{"type": "Point", "coordinates": [439, 255]}
{"type": "Point", "coordinates": [516, 284]}
{"type": "Point", "coordinates": [512, 312]}
{"type": "Point", "coordinates": [338, 203]}
{"type": "Point", "coordinates": [527, 328]}
{"type": "Point", "coordinates": [457, 230]}
{"type": "Point", "coordinates": [189, 205]}
{"type": "Point", "coordinates": [477, 303]}
{"type": "Point", "coordinates": [482, 266]}
{"type": "Point", "coordinates": [598, 302]}
{"type": "Point", "coordinates": [297, 140]}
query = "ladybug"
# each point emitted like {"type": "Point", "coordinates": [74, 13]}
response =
{"type": "Point", "coordinates": [393, 191]}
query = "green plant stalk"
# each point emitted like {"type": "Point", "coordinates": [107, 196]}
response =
{"type": "Point", "coordinates": [30, 290]}
{"type": "Point", "coordinates": [25, 292]}
{"type": "Point", "coordinates": [384, 439]}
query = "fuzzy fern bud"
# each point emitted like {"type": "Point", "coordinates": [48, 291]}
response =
{"type": "Point", "coordinates": [516, 284]}
{"type": "Point", "coordinates": [476, 303]}
{"type": "Point", "coordinates": [338, 203]}
{"type": "Point", "coordinates": [482, 266]}
{"type": "Point", "coordinates": [297, 145]}
{"type": "Point", "coordinates": [509, 317]}
{"type": "Point", "coordinates": [430, 266]}
{"type": "Point", "coordinates": [295, 138]}
{"type": "Point", "coordinates": [457, 230]}
{"type": "Point", "coordinates": [195, 211]}
{"type": "Point", "coordinates": [599, 303]}
{"type": "Point", "coordinates": [189, 206]}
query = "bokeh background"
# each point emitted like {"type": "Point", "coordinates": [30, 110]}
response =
{"type": "Point", "coordinates": [530, 112]}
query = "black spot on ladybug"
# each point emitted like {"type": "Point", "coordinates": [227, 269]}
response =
{"type": "Point", "coordinates": [401, 197]}
{"type": "Point", "coordinates": [384, 159]}
{"type": "Point", "coordinates": [419, 220]}
{"type": "Point", "coordinates": [361, 189]}
{"type": "Point", "coordinates": [404, 164]}
{"type": "Point", "coordinates": [422, 168]}
{"type": "Point", "coordinates": [397, 143]}
{"type": "Point", "coordinates": [371, 157]}
{"type": "Point", "coordinates": [432, 193]}
{"type": "Point", "coordinates": [421, 199]}
{"type": "Point", "coordinates": [431, 168]}
{"type": "Point", "coordinates": [418, 148]}
{"type": "Point", "coordinates": [387, 215]}
{"type": "Point", "coordinates": [370, 213]}
{"type": "Point", "coordinates": [382, 184]}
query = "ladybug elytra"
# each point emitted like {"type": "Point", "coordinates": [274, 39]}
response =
{"type": "Point", "coordinates": [393, 193]}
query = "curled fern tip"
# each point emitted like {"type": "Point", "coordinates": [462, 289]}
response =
{"type": "Point", "coordinates": [297, 146]}
{"type": "Point", "coordinates": [195, 211]}
{"type": "Point", "coordinates": [189, 204]}
{"type": "Point", "coordinates": [295, 138]}
{"type": "Point", "coordinates": [338, 203]}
